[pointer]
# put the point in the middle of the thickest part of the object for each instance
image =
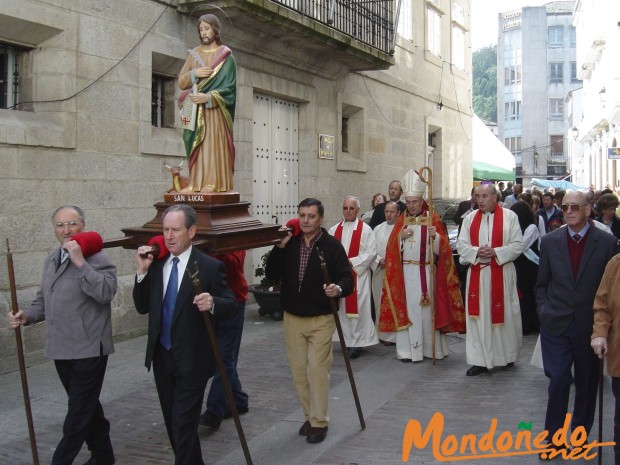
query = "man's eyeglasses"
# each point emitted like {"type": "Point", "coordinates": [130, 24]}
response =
{"type": "Point", "coordinates": [349, 208]}
{"type": "Point", "coordinates": [71, 224]}
{"type": "Point", "coordinates": [572, 207]}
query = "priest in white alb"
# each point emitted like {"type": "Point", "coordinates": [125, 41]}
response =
{"type": "Point", "coordinates": [490, 240]}
{"type": "Point", "coordinates": [355, 313]}
{"type": "Point", "coordinates": [382, 235]}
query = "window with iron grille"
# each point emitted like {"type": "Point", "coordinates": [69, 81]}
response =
{"type": "Point", "coordinates": [162, 101]}
{"type": "Point", "coordinates": [345, 134]}
{"type": "Point", "coordinates": [9, 75]}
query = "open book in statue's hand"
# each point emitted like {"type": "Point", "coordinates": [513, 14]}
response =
{"type": "Point", "coordinates": [188, 111]}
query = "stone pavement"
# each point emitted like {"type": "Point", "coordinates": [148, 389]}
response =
{"type": "Point", "coordinates": [391, 394]}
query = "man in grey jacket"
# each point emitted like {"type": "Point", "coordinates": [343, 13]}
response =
{"type": "Point", "coordinates": [572, 262]}
{"type": "Point", "coordinates": [75, 300]}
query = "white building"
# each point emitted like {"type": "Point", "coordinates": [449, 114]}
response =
{"type": "Point", "coordinates": [596, 126]}
{"type": "Point", "coordinates": [536, 69]}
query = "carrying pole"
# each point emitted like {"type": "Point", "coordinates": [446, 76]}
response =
{"type": "Point", "coordinates": [222, 369]}
{"type": "Point", "coordinates": [347, 362]}
{"type": "Point", "coordinates": [20, 357]}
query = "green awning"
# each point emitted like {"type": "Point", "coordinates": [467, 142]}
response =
{"type": "Point", "coordinates": [485, 172]}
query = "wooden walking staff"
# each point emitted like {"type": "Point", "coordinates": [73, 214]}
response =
{"type": "Point", "coordinates": [20, 357]}
{"type": "Point", "coordinates": [347, 362]}
{"type": "Point", "coordinates": [426, 176]}
{"type": "Point", "coordinates": [220, 365]}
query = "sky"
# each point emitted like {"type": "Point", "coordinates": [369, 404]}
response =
{"type": "Point", "coordinates": [484, 18]}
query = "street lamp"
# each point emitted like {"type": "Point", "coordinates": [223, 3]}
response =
{"type": "Point", "coordinates": [575, 132]}
{"type": "Point", "coordinates": [536, 162]}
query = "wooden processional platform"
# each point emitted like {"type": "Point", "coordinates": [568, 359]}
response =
{"type": "Point", "coordinates": [224, 224]}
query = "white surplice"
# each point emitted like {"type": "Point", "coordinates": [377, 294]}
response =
{"type": "Point", "coordinates": [358, 331]}
{"type": "Point", "coordinates": [416, 341]}
{"type": "Point", "coordinates": [382, 235]}
{"type": "Point", "coordinates": [487, 345]}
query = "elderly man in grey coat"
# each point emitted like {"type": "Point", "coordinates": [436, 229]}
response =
{"type": "Point", "coordinates": [75, 299]}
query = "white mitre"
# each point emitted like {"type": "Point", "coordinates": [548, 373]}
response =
{"type": "Point", "coordinates": [412, 185]}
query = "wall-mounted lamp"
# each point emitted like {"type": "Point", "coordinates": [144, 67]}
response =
{"type": "Point", "coordinates": [575, 132]}
{"type": "Point", "coordinates": [536, 162]}
{"type": "Point", "coordinates": [601, 95]}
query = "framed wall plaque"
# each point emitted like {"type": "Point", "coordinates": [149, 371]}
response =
{"type": "Point", "coordinates": [326, 146]}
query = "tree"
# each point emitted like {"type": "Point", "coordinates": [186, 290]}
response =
{"type": "Point", "coordinates": [484, 79]}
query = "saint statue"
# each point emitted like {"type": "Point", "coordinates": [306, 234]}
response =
{"type": "Point", "coordinates": [211, 68]}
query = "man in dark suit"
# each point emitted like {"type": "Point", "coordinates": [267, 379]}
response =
{"type": "Point", "coordinates": [178, 343]}
{"type": "Point", "coordinates": [75, 298]}
{"type": "Point", "coordinates": [395, 191]}
{"type": "Point", "coordinates": [572, 262]}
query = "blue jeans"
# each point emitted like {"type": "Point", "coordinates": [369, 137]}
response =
{"type": "Point", "coordinates": [228, 333]}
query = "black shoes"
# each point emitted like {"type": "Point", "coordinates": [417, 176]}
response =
{"type": "Point", "coordinates": [354, 352]}
{"type": "Point", "coordinates": [312, 434]}
{"type": "Point", "coordinates": [305, 428]}
{"type": "Point", "coordinates": [406, 360]}
{"type": "Point", "coordinates": [476, 370]}
{"type": "Point", "coordinates": [240, 410]}
{"type": "Point", "coordinates": [209, 420]}
{"type": "Point", "coordinates": [316, 434]}
{"type": "Point", "coordinates": [94, 461]}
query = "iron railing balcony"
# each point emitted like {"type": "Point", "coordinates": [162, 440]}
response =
{"type": "Point", "coordinates": [556, 158]}
{"type": "Point", "coordinates": [357, 34]}
{"type": "Point", "coordinates": [369, 21]}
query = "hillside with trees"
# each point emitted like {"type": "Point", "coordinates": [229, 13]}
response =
{"type": "Point", "coordinates": [484, 63]}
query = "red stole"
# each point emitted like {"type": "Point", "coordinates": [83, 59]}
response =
{"type": "Point", "coordinates": [497, 273]}
{"type": "Point", "coordinates": [425, 301]}
{"type": "Point", "coordinates": [354, 251]}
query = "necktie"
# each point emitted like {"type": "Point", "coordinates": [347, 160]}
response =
{"type": "Point", "coordinates": [577, 237]}
{"type": "Point", "coordinates": [167, 309]}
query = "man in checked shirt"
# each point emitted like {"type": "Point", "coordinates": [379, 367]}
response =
{"type": "Point", "coordinates": [308, 322]}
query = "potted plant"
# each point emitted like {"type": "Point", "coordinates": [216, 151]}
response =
{"type": "Point", "coordinates": [267, 293]}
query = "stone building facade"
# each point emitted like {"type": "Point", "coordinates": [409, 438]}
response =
{"type": "Point", "coordinates": [536, 69]}
{"type": "Point", "coordinates": [96, 119]}
{"type": "Point", "coordinates": [595, 124]}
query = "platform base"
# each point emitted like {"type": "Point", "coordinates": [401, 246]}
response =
{"type": "Point", "coordinates": [224, 224]}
